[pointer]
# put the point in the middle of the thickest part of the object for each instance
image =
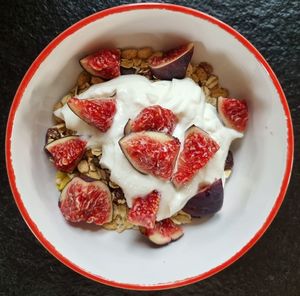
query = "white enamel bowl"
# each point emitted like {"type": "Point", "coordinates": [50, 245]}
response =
{"type": "Point", "coordinates": [253, 195]}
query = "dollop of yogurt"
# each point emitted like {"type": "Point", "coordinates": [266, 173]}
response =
{"type": "Point", "coordinates": [133, 93]}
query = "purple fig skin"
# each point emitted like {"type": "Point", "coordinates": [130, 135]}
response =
{"type": "Point", "coordinates": [206, 202]}
{"type": "Point", "coordinates": [85, 65]}
{"type": "Point", "coordinates": [127, 128]}
{"type": "Point", "coordinates": [175, 68]}
{"type": "Point", "coordinates": [229, 161]}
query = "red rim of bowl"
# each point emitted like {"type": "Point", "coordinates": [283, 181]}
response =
{"type": "Point", "coordinates": [43, 55]}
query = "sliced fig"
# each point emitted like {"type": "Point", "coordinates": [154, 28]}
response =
{"type": "Point", "coordinates": [173, 64]}
{"type": "Point", "coordinates": [153, 118]}
{"type": "Point", "coordinates": [86, 201]}
{"type": "Point", "coordinates": [104, 63]}
{"type": "Point", "coordinates": [144, 209]}
{"type": "Point", "coordinates": [233, 113]}
{"type": "Point", "coordinates": [207, 201]}
{"type": "Point", "coordinates": [163, 232]}
{"type": "Point", "coordinates": [95, 112]}
{"type": "Point", "coordinates": [66, 152]}
{"type": "Point", "coordinates": [151, 153]}
{"type": "Point", "coordinates": [198, 149]}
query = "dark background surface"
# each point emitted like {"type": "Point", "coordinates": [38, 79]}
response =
{"type": "Point", "coordinates": [271, 267]}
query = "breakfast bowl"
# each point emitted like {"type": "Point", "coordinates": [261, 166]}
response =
{"type": "Point", "coordinates": [252, 196]}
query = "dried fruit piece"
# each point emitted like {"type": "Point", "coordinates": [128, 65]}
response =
{"type": "Point", "coordinates": [198, 149]}
{"type": "Point", "coordinates": [96, 112]}
{"type": "Point", "coordinates": [163, 232]}
{"type": "Point", "coordinates": [144, 209]}
{"type": "Point", "coordinates": [104, 63]}
{"type": "Point", "coordinates": [233, 112]}
{"type": "Point", "coordinates": [173, 64]}
{"type": "Point", "coordinates": [207, 201]}
{"type": "Point", "coordinates": [66, 152]}
{"type": "Point", "coordinates": [86, 201]}
{"type": "Point", "coordinates": [153, 118]}
{"type": "Point", "coordinates": [83, 79]}
{"type": "Point", "coordinates": [151, 152]}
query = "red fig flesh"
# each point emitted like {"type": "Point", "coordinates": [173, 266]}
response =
{"type": "Point", "coordinates": [206, 202]}
{"type": "Point", "coordinates": [198, 149]}
{"type": "Point", "coordinates": [86, 201]}
{"type": "Point", "coordinates": [163, 232]}
{"type": "Point", "coordinates": [233, 112]}
{"type": "Point", "coordinates": [151, 153]}
{"type": "Point", "coordinates": [66, 152]}
{"type": "Point", "coordinates": [173, 64]}
{"type": "Point", "coordinates": [154, 118]}
{"type": "Point", "coordinates": [104, 63]}
{"type": "Point", "coordinates": [144, 209]}
{"type": "Point", "coordinates": [95, 112]}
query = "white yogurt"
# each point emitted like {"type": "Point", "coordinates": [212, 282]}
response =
{"type": "Point", "coordinates": [133, 93]}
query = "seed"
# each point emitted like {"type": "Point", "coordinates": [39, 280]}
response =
{"type": "Point", "coordinates": [219, 92]}
{"type": "Point", "coordinates": [145, 53]}
{"type": "Point", "coordinates": [96, 80]}
{"type": "Point", "coordinates": [83, 166]}
{"type": "Point", "coordinates": [83, 78]}
{"type": "Point", "coordinates": [129, 53]}
{"type": "Point", "coordinates": [212, 81]}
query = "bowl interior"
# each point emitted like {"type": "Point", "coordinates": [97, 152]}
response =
{"type": "Point", "coordinates": [250, 194]}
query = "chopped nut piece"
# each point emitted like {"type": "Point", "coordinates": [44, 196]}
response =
{"type": "Point", "coordinates": [94, 175]}
{"type": "Point", "coordinates": [83, 78]}
{"type": "Point", "coordinates": [212, 81]}
{"type": "Point", "coordinates": [181, 218]}
{"type": "Point", "coordinates": [126, 63]}
{"type": "Point", "coordinates": [65, 99]}
{"type": "Point", "coordinates": [113, 184]}
{"type": "Point", "coordinates": [195, 77]}
{"type": "Point", "coordinates": [145, 53]}
{"type": "Point", "coordinates": [96, 151]}
{"type": "Point", "coordinates": [157, 54]}
{"type": "Point", "coordinates": [227, 173]}
{"type": "Point", "coordinates": [144, 65]}
{"type": "Point", "coordinates": [96, 80]}
{"type": "Point", "coordinates": [219, 92]}
{"type": "Point", "coordinates": [85, 87]}
{"type": "Point", "coordinates": [206, 90]}
{"type": "Point", "coordinates": [211, 100]}
{"type": "Point", "coordinates": [137, 62]}
{"type": "Point", "coordinates": [201, 74]}
{"type": "Point", "coordinates": [57, 119]}
{"type": "Point", "coordinates": [129, 53]}
{"type": "Point", "coordinates": [92, 167]}
{"type": "Point", "coordinates": [207, 67]}
{"type": "Point", "coordinates": [83, 166]}
{"type": "Point", "coordinates": [189, 70]}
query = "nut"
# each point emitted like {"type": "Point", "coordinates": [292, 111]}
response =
{"type": "Point", "coordinates": [207, 67]}
{"type": "Point", "coordinates": [212, 81]}
{"type": "Point", "coordinates": [219, 92]}
{"type": "Point", "coordinates": [96, 151]}
{"type": "Point", "coordinates": [206, 90]}
{"type": "Point", "coordinates": [211, 100]}
{"type": "Point", "coordinates": [96, 80]}
{"type": "Point", "coordinates": [145, 53]}
{"type": "Point", "coordinates": [125, 63]}
{"type": "Point", "coordinates": [157, 54]}
{"type": "Point", "coordinates": [83, 166]}
{"type": "Point", "coordinates": [195, 77]}
{"type": "Point", "coordinates": [83, 78]}
{"type": "Point", "coordinates": [181, 218]}
{"type": "Point", "coordinates": [129, 53]}
{"type": "Point", "coordinates": [92, 167]}
{"type": "Point", "coordinates": [93, 175]}
{"type": "Point", "coordinates": [144, 65]}
{"type": "Point", "coordinates": [113, 184]}
{"type": "Point", "coordinates": [200, 73]}
{"type": "Point", "coordinates": [136, 62]}
{"type": "Point", "coordinates": [57, 119]}
{"type": "Point", "coordinates": [65, 99]}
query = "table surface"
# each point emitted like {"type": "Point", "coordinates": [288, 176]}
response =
{"type": "Point", "coordinates": [271, 267]}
